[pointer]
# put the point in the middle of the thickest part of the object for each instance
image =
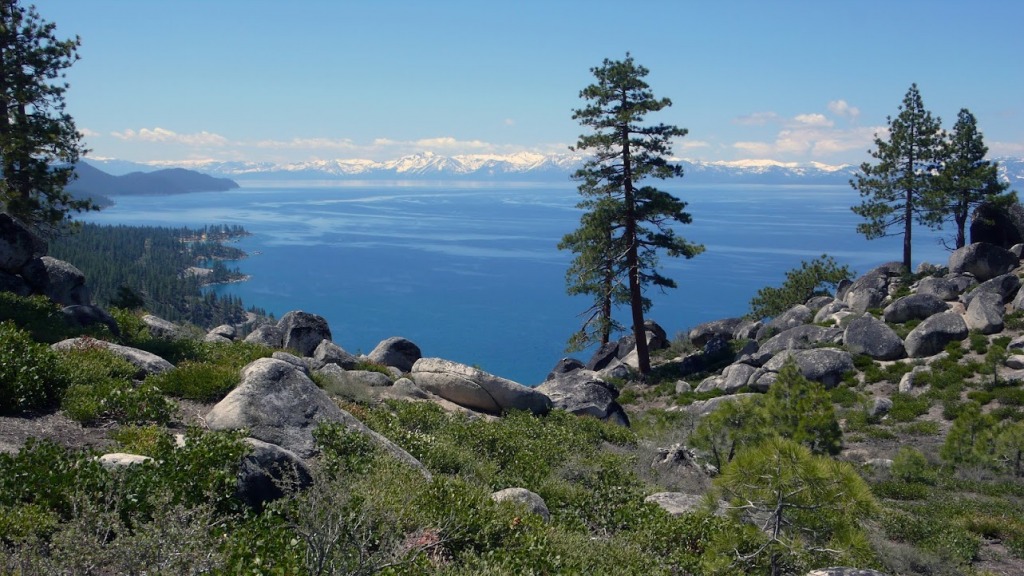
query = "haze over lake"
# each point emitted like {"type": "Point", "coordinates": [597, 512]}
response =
{"type": "Point", "coordinates": [471, 272]}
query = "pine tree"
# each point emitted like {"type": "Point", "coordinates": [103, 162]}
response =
{"type": "Point", "coordinates": [966, 179]}
{"type": "Point", "coordinates": [897, 189]}
{"type": "Point", "coordinates": [39, 144]}
{"type": "Point", "coordinates": [626, 223]}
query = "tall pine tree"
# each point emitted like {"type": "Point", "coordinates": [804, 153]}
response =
{"type": "Point", "coordinates": [966, 179]}
{"type": "Point", "coordinates": [39, 144]}
{"type": "Point", "coordinates": [896, 190]}
{"type": "Point", "coordinates": [626, 224]}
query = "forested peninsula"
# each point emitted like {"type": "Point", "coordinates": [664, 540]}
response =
{"type": "Point", "coordinates": [163, 270]}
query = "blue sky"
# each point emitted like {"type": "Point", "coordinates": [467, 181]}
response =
{"type": "Point", "coordinates": [793, 81]}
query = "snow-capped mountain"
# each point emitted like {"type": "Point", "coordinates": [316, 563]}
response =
{"type": "Point", "coordinates": [523, 166]}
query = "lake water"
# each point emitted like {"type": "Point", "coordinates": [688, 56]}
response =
{"type": "Point", "coordinates": [471, 273]}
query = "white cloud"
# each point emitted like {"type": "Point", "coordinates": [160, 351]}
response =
{"type": "Point", "coordinates": [307, 144]}
{"type": "Point", "coordinates": [692, 144]}
{"type": "Point", "coordinates": [162, 135]}
{"type": "Point", "coordinates": [997, 149]}
{"type": "Point", "coordinates": [509, 122]}
{"type": "Point", "coordinates": [843, 108]}
{"type": "Point", "coordinates": [812, 120]}
{"type": "Point", "coordinates": [813, 142]}
{"type": "Point", "coordinates": [88, 133]}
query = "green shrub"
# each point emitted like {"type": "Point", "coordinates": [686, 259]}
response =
{"type": "Point", "coordinates": [369, 366]}
{"type": "Point", "coordinates": [906, 407]}
{"type": "Point", "coordinates": [102, 389]}
{"type": "Point", "coordinates": [199, 381]}
{"type": "Point", "coordinates": [920, 428]}
{"type": "Point", "coordinates": [845, 396]}
{"type": "Point", "coordinates": [119, 401]}
{"type": "Point", "coordinates": [901, 490]}
{"type": "Point", "coordinates": [943, 537]}
{"type": "Point", "coordinates": [977, 342]}
{"type": "Point", "coordinates": [37, 315]}
{"type": "Point", "coordinates": [32, 376]}
{"type": "Point", "coordinates": [47, 475]}
{"type": "Point", "coordinates": [810, 279]}
{"type": "Point", "coordinates": [910, 465]}
{"type": "Point", "coordinates": [148, 440]}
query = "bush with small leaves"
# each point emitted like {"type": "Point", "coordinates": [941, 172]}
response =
{"type": "Point", "coordinates": [32, 376]}
{"type": "Point", "coordinates": [810, 279]}
{"type": "Point", "coordinates": [802, 410]}
{"type": "Point", "coordinates": [970, 440]}
{"type": "Point", "coordinates": [808, 506]}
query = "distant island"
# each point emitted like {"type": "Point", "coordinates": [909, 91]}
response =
{"type": "Point", "coordinates": [100, 186]}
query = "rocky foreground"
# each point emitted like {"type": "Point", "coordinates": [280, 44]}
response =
{"type": "Point", "coordinates": [279, 404]}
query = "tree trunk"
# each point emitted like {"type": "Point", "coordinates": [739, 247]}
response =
{"type": "Point", "coordinates": [908, 213]}
{"type": "Point", "coordinates": [636, 297]}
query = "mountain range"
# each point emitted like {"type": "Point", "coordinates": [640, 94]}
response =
{"type": "Point", "coordinates": [524, 166]}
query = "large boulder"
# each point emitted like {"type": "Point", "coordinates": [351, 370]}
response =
{"type": "Point", "coordinates": [825, 365]}
{"type": "Point", "coordinates": [603, 356]}
{"type": "Point", "coordinates": [268, 335]}
{"type": "Point", "coordinates": [476, 389]}
{"type": "Point", "coordinates": [277, 403]}
{"type": "Point", "coordinates": [397, 352]}
{"type": "Point", "coordinates": [870, 336]}
{"type": "Point", "coordinates": [161, 328]}
{"type": "Point", "coordinates": [931, 336]}
{"type": "Point", "coordinates": [1000, 226]}
{"type": "Point", "coordinates": [583, 393]}
{"type": "Point", "coordinates": [1006, 285]}
{"type": "Point", "coordinates": [328, 352]}
{"type": "Point", "coordinates": [982, 260]}
{"type": "Point", "coordinates": [303, 332]}
{"type": "Point", "coordinates": [804, 336]}
{"type": "Point", "coordinates": [871, 290]}
{"type": "Point", "coordinates": [565, 366]}
{"type": "Point", "coordinates": [266, 471]}
{"type": "Point", "coordinates": [985, 313]}
{"type": "Point", "coordinates": [57, 280]}
{"type": "Point", "coordinates": [827, 312]}
{"type": "Point", "coordinates": [354, 378]}
{"type": "Point", "coordinates": [733, 378]}
{"type": "Point", "coordinates": [146, 362]}
{"type": "Point", "coordinates": [796, 316]}
{"type": "Point", "coordinates": [701, 333]}
{"type": "Point", "coordinates": [523, 497]}
{"type": "Point", "coordinates": [914, 307]}
{"type": "Point", "coordinates": [945, 288]}
{"type": "Point", "coordinates": [18, 245]}
{"type": "Point", "coordinates": [701, 408]}
{"type": "Point", "coordinates": [225, 331]}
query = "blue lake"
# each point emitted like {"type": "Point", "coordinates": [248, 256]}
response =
{"type": "Point", "coordinates": [471, 273]}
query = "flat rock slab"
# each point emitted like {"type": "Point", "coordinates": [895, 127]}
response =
{"type": "Point", "coordinates": [476, 389]}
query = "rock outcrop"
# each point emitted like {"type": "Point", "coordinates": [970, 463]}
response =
{"type": "Point", "coordinates": [397, 352]}
{"type": "Point", "coordinates": [277, 403]}
{"type": "Point", "coordinates": [303, 332]}
{"type": "Point", "coordinates": [582, 392]}
{"type": "Point", "coordinates": [476, 389]}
